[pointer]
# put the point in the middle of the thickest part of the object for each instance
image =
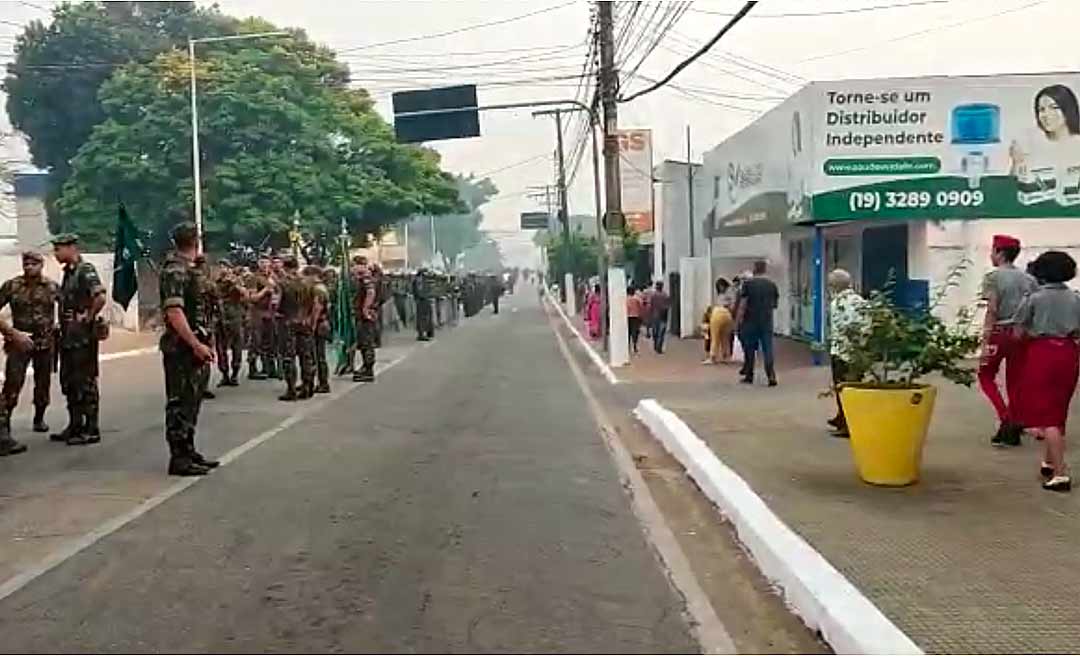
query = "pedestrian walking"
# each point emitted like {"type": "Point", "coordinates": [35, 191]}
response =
{"type": "Point", "coordinates": [1003, 289]}
{"type": "Point", "coordinates": [845, 315]}
{"type": "Point", "coordinates": [646, 295]}
{"type": "Point", "coordinates": [33, 299]}
{"type": "Point", "coordinates": [633, 317]}
{"type": "Point", "coordinates": [758, 299]}
{"type": "Point", "coordinates": [1050, 318]}
{"type": "Point", "coordinates": [719, 324]}
{"type": "Point", "coordinates": [659, 306]}
{"type": "Point", "coordinates": [364, 304]}
{"type": "Point", "coordinates": [592, 312]}
{"type": "Point", "coordinates": [82, 297]}
{"type": "Point", "coordinates": [185, 351]}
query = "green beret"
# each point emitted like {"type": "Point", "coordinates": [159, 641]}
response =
{"type": "Point", "coordinates": [65, 239]}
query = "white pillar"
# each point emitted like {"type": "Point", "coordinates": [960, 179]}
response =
{"type": "Point", "coordinates": [571, 298]}
{"type": "Point", "coordinates": [619, 338]}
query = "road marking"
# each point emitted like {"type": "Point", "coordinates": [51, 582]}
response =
{"type": "Point", "coordinates": [710, 632]}
{"type": "Point", "coordinates": [608, 373]}
{"type": "Point", "coordinates": [73, 547]}
{"type": "Point", "coordinates": [105, 357]}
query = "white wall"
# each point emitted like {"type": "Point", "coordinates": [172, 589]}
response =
{"type": "Point", "coordinates": [732, 256]}
{"type": "Point", "coordinates": [672, 203]}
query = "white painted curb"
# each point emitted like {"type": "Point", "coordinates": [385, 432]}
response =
{"type": "Point", "coordinates": [593, 355]}
{"type": "Point", "coordinates": [822, 596]}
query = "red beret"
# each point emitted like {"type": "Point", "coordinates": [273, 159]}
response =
{"type": "Point", "coordinates": [1005, 241]}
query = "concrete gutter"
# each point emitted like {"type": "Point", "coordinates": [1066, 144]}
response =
{"type": "Point", "coordinates": [825, 600]}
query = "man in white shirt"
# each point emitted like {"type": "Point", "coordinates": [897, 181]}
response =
{"type": "Point", "coordinates": [845, 316]}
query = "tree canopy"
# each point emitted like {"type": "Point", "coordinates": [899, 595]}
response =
{"type": "Point", "coordinates": [281, 132]}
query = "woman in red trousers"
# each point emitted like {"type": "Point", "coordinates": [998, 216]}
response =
{"type": "Point", "coordinates": [1050, 318]}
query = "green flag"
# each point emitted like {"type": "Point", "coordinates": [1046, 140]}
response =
{"type": "Point", "coordinates": [344, 322]}
{"type": "Point", "coordinates": [127, 250]}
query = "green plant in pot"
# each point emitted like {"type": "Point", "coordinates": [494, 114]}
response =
{"type": "Point", "coordinates": [891, 350]}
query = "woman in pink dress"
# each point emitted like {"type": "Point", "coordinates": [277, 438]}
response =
{"type": "Point", "coordinates": [592, 312]}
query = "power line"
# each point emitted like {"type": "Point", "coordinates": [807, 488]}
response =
{"type": "Point", "coordinates": [701, 51]}
{"type": "Point", "coordinates": [834, 12]}
{"type": "Point", "coordinates": [35, 6]}
{"type": "Point", "coordinates": [514, 165]}
{"type": "Point", "coordinates": [459, 30]}
{"type": "Point", "coordinates": [937, 28]}
{"type": "Point", "coordinates": [674, 15]}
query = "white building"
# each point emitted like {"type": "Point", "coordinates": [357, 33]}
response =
{"type": "Point", "coordinates": [896, 179]}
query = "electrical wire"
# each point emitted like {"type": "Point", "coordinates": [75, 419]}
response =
{"type": "Point", "coordinates": [459, 30]}
{"type": "Point", "coordinates": [514, 165]}
{"type": "Point", "coordinates": [677, 11]}
{"type": "Point", "coordinates": [936, 28]}
{"type": "Point", "coordinates": [701, 51]}
{"type": "Point", "coordinates": [835, 12]}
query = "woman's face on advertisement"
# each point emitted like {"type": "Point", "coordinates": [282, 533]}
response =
{"type": "Point", "coordinates": [1051, 118]}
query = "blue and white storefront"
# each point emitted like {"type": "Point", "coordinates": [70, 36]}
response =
{"type": "Point", "coordinates": [896, 180]}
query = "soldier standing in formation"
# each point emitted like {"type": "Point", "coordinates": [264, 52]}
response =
{"type": "Point", "coordinates": [296, 309]}
{"type": "Point", "coordinates": [261, 292]}
{"type": "Point", "coordinates": [14, 341]}
{"type": "Point", "coordinates": [186, 353]}
{"type": "Point", "coordinates": [322, 298]}
{"type": "Point", "coordinates": [400, 289]}
{"type": "Point", "coordinates": [211, 305]}
{"type": "Point", "coordinates": [421, 290]}
{"type": "Point", "coordinates": [230, 334]}
{"type": "Point", "coordinates": [378, 279]}
{"type": "Point", "coordinates": [82, 297]}
{"type": "Point", "coordinates": [33, 299]}
{"type": "Point", "coordinates": [279, 331]}
{"type": "Point", "coordinates": [366, 318]}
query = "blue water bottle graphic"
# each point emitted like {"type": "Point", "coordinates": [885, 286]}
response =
{"type": "Point", "coordinates": [975, 128]}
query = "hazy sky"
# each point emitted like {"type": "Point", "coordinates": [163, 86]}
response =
{"type": "Point", "coordinates": [756, 65]}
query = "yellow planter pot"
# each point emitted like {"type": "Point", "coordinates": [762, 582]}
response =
{"type": "Point", "coordinates": [888, 429]}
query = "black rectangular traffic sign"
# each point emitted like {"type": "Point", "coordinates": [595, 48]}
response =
{"type": "Point", "coordinates": [461, 119]}
{"type": "Point", "coordinates": [535, 220]}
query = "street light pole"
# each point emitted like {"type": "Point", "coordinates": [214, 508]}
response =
{"type": "Point", "coordinates": [196, 170]}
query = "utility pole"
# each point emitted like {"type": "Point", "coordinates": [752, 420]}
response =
{"type": "Point", "coordinates": [608, 89]}
{"type": "Point", "coordinates": [690, 190]}
{"type": "Point", "coordinates": [564, 203]}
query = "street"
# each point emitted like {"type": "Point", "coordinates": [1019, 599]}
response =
{"type": "Point", "coordinates": [464, 502]}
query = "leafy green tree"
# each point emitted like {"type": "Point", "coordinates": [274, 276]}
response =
{"type": "Point", "coordinates": [52, 86]}
{"type": "Point", "coordinates": [577, 255]}
{"type": "Point", "coordinates": [280, 135]}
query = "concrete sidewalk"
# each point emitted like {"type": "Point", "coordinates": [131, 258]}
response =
{"type": "Point", "coordinates": [975, 558]}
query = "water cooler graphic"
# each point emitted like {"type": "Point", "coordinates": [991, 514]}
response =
{"type": "Point", "coordinates": [976, 131]}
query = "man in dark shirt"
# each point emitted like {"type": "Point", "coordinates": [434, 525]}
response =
{"type": "Point", "coordinates": [757, 302]}
{"type": "Point", "coordinates": [659, 304]}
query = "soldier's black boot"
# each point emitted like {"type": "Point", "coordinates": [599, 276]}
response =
{"type": "Point", "coordinates": [39, 419]}
{"type": "Point", "coordinates": [8, 445]}
{"type": "Point", "coordinates": [181, 463]}
{"type": "Point", "coordinates": [290, 387]}
{"type": "Point", "coordinates": [90, 433]}
{"type": "Point", "coordinates": [196, 457]}
{"type": "Point", "coordinates": [365, 375]}
{"type": "Point", "coordinates": [253, 369]}
{"type": "Point", "coordinates": [74, 426]}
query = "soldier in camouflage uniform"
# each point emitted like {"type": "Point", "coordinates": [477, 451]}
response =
{"type": "Point", "coordinates": [297, 309]}
{"type": "Point", "coordinates": [279, 330]}
{"type": "Point", "coordinates": [33, 299]}
{"type": "Point", "coordinates": [15, 341]}
{"type": "Point", "coordinates": [230, 330]}
{"type": "Point", "coordinates": [82, 297]}
{"type": "Point", "coordinates": [322, 296]}
{"type": "Point", "coordinates": [186, 352]}
{"type": "Point", "coordinates": [211, 305]}
{"type": "Point", "coordinates": [378, 279]}
{"type": "Point", "coordinates": [399, 287]}
{"type": "Point", "coordinates": [422, 292]}
{"type": "Point", "coordinates": [260, 295]}
{"type": "Point", "coordinates": [365, 309]}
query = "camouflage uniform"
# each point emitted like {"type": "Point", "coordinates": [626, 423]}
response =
{"type": "Point", "coordinates": [262, 326]}
{"type": "Point", "coordinates": [421, 290]}
{"type": "Point", "coordinates": [33, 310]}
{"type": "Point", "coordinates": [185, 376]}
{"type": "Point", "coordinates": [400, 289]}
{"type": "Point", "coordinates": [79, 351]}
{"type": "Point", "coordinates": [297, 335]}
{"type": "Point", "coordinates": [322, 336]}
{"type": "Point", "coordinates": [365, 325]}
{"type": "Point", "coordinates": [382, 294]}
{"type": "Point", "coordinates": [211, 307]}
{"type": "Point", "coordinates": [230, 329]}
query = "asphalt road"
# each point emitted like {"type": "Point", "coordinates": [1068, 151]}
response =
{"type": "Point", "coordinates": [465, 502]}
